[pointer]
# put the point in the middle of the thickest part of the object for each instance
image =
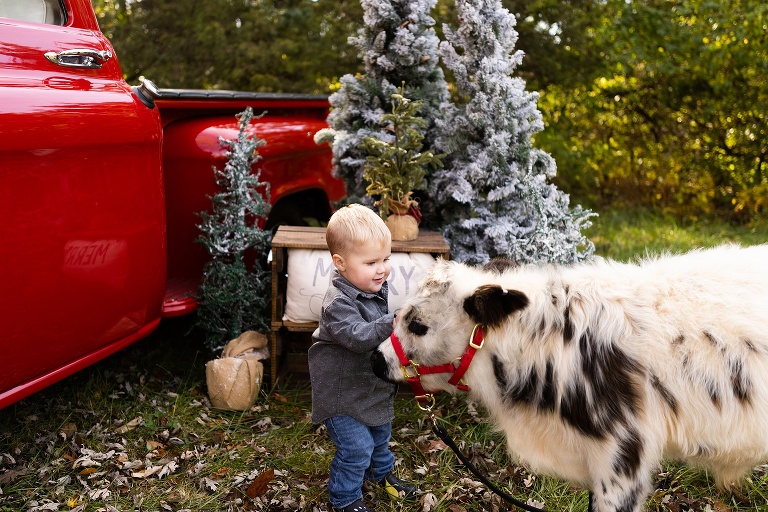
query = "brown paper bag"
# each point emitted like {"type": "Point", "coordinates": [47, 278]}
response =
{"type": "Point", "coordinates": [234, 380]}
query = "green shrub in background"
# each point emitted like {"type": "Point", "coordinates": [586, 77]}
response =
{"type": "Point", "coordinates": [660, 103]}
{"type": "Point", "coordinates": [677, 118]}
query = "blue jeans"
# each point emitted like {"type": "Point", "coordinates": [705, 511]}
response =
{"type": "Point", "coordinates": [362, 453]}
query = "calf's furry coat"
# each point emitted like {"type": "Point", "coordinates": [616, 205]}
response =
{"type": "Point", "coordinates": [597, 371]}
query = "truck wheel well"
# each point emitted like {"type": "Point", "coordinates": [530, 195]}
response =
{"type": "Point", "coordinates": [305, 208]}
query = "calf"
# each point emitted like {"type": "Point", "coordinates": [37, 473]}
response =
{"type": "Point", "coordinates": [596, 372]}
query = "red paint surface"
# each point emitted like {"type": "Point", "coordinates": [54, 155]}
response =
{"type": "Point", "coordinates": [85, 248]}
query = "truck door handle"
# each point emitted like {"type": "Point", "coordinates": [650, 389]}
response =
{"type": "Point", "coordinates": [79, 58]}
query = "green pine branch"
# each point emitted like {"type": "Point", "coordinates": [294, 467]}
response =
{"type": "Point", "coordinates": [395, 168]}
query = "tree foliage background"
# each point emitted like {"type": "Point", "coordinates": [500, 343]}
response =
{"type": "Point", "coordinates": [658, 103]}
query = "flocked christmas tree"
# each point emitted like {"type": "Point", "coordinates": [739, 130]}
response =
{"type": "Point", "coordinates": [397, 44]}
{"type": "Point", "coordinates": [234, 294]}
{"type": "Point", "coordinates": [492, 196]}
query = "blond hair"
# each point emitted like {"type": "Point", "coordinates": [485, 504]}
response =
{"type": "Point", "coordinates": [355, 225]}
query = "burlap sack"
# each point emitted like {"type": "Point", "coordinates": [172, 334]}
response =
{"type": "Point", "coordinates": [234, 380]}
{"type": "Point", "coordinates": [402, 227]}
{"type": "Point", "coordinates": [401, 224]}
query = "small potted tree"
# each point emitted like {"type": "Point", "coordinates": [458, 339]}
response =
{"type": "Point", "coordinates": [234, 293]}
{"type": "Point", "coordinates": [395, 167]}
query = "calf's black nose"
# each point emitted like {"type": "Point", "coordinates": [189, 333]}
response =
{"type": "Point", "coordinates": [380, 366]}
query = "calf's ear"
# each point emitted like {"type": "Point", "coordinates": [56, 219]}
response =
{"type": "Point", "coordinates": [491, 304]}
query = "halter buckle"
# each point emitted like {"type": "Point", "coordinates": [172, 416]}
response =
{"type": "Point", "coordinates": [476, 346]}
{"type": "Point", "coordinates": [411, 366]}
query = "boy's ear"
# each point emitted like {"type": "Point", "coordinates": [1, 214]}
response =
{"type": "Point", "coordinates": [338, 262]}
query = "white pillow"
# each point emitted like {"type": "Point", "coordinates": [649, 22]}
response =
{"type": "Point", "coordinates": [310, 270]}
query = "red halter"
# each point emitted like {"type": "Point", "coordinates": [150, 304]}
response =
{"type": "Point", "coordinates": [413, 371]}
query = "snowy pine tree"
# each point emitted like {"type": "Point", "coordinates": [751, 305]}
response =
{"type": "Point", "coordinates": [492, 196]}
{"type": "Point", "coordinates": [234, 295]}
{"type": "Point", "coordinates": [397, 45]}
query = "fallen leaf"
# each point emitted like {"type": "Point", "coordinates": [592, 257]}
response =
{"type": "Point", "coordinates": [135, 422]}
{"type": "Point", "coordinates": [207, 483]}
{"type": "Point", "coordinates": [436, 446]}
{"type": "Point", "coordinates": [168, 469]}
{"type": "Point", "coordinates": [259, 486]}
{"type": "Point", "coordinates": [428, 502]}
{"type": "Point", "coordinates": [68, 430]}
{"type": "Point", "coordinates": [263, 423]}
{"type": "Point", "coordinates": [11, 475]}
{"type": "Point", "coordinates": [145, 473]}
{"type": "Point", "coordinates": [154, 445]}
{"type": "Point", "coordinates": [45, 506]}
{"type": "Point", "coordinates": [88, 471]}
{"type": "Point", "coordinates": [100, 494]}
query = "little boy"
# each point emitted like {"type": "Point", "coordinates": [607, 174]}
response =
{"type": "Point", "coordinates": [356, 407]}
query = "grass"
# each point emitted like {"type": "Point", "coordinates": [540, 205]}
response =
{"type": "Point", "coordinates": [135, 432]}
{"type": "Point", "coordinates": [625, 235]}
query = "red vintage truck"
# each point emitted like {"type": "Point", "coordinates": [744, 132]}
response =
{"type": "Point", "coordinates": [100, 185]}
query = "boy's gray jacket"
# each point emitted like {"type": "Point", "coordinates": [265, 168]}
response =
{"type": "Point", "coordinates": [352, 324]}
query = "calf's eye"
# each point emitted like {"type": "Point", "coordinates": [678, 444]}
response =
{"type": "Point", "coordinates": [417, 328]}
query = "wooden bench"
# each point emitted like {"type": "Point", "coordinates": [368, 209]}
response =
{"type": "Point", "coordinates": [295, 337]}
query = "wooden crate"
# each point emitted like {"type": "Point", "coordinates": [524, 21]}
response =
{"type": "Point", "coordinates": [290, 340]}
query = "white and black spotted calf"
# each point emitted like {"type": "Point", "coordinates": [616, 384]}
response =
{"type": "Point", "coordinates": [598, 371]}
